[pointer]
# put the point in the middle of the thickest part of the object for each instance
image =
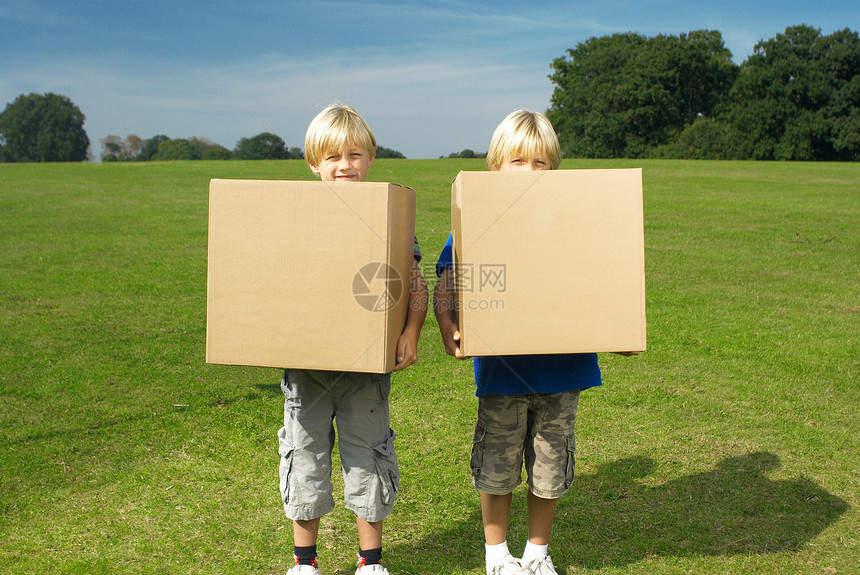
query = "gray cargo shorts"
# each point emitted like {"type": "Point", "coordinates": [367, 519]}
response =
{"type": "Point", "coordinates": [535, 429]}
{"type": "Point", "coordinates": [358, 402]}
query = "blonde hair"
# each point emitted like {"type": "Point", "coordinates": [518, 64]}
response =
{"type": "Point", "coordinates": [332, 129]}
{"type": "Point", "coordinates": [526, 134]}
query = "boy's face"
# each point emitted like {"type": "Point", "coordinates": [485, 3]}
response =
{"type": "Point", "coordinates": [520, 163]}
{"type": "Point", "coordinates": [347, 165]}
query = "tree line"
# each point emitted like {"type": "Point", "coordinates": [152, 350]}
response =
{"type": "Point", "coordinates": [50, 128]}
{"type": "Point", "coordinates": [264, 146]}
{"type": "Point", "coordinates": [797, 97]}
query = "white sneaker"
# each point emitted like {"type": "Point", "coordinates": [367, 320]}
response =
{"type": "Point", "coordinates": [509, 566]}
{"type": "Point", "coordinates": [541, 566]}
{"type": "Point", "coordinates": [304, 570]}
{"type": "Point", "coordinates": [375, 569]}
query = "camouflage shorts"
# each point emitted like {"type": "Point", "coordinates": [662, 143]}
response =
{"type": "Point", "coordinates": [536, 429]}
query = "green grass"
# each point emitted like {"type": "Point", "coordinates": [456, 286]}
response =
{"type": "Point", "coordinates": [730, 446]}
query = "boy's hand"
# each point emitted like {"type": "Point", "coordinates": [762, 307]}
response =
{"type": "Point", "coordinates": [407, 351]}
{"type": "Point", "coordinates": [443, 307]}
{"type": "Point", "coordinates": [407, 344]}
{"type": "Point", "coordinates": [451, 339]}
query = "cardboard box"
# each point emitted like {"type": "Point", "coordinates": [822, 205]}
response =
{"type": "Point", "coordinates": [308, 275]}
{"type": "Point", "coordinates": [549, 261]}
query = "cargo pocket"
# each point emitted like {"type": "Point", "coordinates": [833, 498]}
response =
{"type": "Point", "coordinates": [285, 450]}
{"type": "Point", "coordinates": [383, 385]}
{"type": "Point", "coordinates": [285, 382]}
{"type": "Point", "coordinates": [385, 461]}
{"type": "Point", "coordinates": [571, 461]}
{"type": "Point", "coordinates": [477, 457]}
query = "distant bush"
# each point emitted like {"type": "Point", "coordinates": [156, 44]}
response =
{"type": "Point", "coordinates": [264, 146]}
{"type": "Point", "coordinates": [704, 139]}
{"type": "Point", "coordinates": [383, 152]}
{"type": "Point", "coordinates": [467, 153]}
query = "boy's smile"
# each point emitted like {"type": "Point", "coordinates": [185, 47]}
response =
{"type": "Point", "coordinates": [347, 165]}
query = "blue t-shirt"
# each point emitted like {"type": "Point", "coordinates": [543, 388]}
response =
{"type": "Point", "coordinates": [521, 374]}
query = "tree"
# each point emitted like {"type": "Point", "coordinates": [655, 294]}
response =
{"type": "Point", "coordinates": [132, 146]}
{"type": "Point", "coordinates": [43, 128]}
{"type": "Point", "coordinates": [798, 97]}
{"type": "Point", "coordinates": [111, 148]}
{"type": "Point", "coordinates": [177, 150]}
{"type": "Point", "coordinates": [209, 150]}
{"type": "Point", "coordinates": [150, 147]}
{"type": "Point", "coordinates": [383, 152]}
{"type": "Point", "coordinates": [133, 149]}
{"type": "Point", "coordinates": [216, 152]}
{"type": "Point", "coordinates": [624, 95]}
{"type": "Point", "coordinates": [116, 149]}
{"type": "Point", "coordinates": [467, 153]}
{"type": "Point", "coordinates": [585, 108]}
{"type": "Point", "coordinates": [704, 139]}
{"type": "Point", "coordinates": [265, 146]}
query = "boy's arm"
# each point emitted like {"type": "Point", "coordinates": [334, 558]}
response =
{"type": "Point", "coordinates": [443, 306]}
{"type": "Point", "coordinates": [407, 343]}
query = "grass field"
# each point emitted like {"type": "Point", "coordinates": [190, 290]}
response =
{"type": "Point", "coordinates": [730, 446]}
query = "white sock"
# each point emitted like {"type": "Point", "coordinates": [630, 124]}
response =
{"type": "Point", "coordinates": [496, 553]}
{"type": "Point", "coordinates": [533, 551]}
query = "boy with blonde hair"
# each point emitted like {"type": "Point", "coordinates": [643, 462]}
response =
{"type": "Point", "coordinates": [339, 146]}
{"type": "Point", "coordinates": [527, 404]}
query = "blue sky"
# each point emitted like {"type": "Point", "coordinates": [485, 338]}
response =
{"type": "Point", "coordinates": [430, 77]}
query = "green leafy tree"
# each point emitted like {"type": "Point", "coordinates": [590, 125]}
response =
{"type": "Point", "coordinates": [704, 139]}
{"type": "Point", "coordinates": [466, 153]}
{"type": "Point", "coordinates": [798, 97]}
{"type": "Point", "coordinates": [150, 147]}
{"type": "Point", "coordinates": [43, 128]}
{"type": "Point", "coordinates": [177, 150]}
{"type": "Point", "coordinates": [216, 152]}
{"type": "Point", "coordinates": [209, 150]}
{"type": "Point", "coordinates": [383, 152]}
{"type": "Point", "coordinates": [265, 146]}
{"type": "Point", "coordinates": [591, 94]}
{"type": "Point", "coordinates": [624, 95]}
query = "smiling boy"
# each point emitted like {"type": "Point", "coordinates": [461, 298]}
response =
{"type": "Point", "coordinates": [339, 146]}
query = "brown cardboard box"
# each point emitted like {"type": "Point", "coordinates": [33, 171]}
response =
{"type": "Point", "coordinates": [549, 261]}
{"type": "Point", "coordinates": [308, 275]}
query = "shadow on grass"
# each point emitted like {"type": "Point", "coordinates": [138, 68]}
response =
{"type": "Point", "coordinates": [610, 518]}
{"type": "Point", "coordinates": [269, 388]}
